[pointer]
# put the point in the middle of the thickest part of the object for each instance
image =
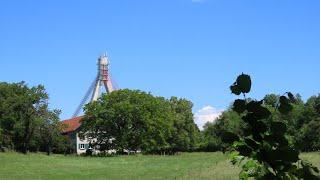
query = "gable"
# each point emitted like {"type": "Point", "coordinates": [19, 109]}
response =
{"type": "Point", "coordinates": [71, 125]}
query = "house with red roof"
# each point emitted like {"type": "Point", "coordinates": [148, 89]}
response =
{"type": "Point", "coordinates": [71, 129]}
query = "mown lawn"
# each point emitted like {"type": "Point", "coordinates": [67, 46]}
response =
{"type": "Point", "coordinates": [184, 166]}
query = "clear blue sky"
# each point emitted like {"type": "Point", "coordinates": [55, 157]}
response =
{"type": "Point", "coordinates": [186, 48]}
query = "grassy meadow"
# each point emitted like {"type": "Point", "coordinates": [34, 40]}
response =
{"type": "Point", "coordinates": [184, 166]}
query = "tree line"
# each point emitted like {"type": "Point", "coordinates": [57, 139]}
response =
{"type": "Point", "coordinates": [129, 120]}
{"type": "Point", "coordinates": [303, 124]}
{"type": "Point", "coordinates": [134, 120]}
{"type": "Point", "coordinates": [264, 149]}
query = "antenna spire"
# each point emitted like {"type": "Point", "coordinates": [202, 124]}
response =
{"type": "Point", "coordinates": [103, 79]}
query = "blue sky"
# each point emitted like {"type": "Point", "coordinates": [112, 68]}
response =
{"type": "Point", "coordinates": [186, 48]}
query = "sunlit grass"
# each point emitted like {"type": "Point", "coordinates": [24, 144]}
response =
{"type": "Point", "coordinates": [184, 166]}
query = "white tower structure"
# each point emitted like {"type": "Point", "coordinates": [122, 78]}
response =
{"type": "Point", "coordinates": [103, 79]}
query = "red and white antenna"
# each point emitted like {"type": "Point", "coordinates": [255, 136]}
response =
{"type": "Point", "coordinates": [103, 79]}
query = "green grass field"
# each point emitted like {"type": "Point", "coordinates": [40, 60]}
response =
{"type": "Point", "coordinates": [184, 166]}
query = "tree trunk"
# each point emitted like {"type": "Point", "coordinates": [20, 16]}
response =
{"type": "Point", "coordinates": [26, 137]}
{"type": "Point", "coordinates": [29, 130]}
{"type": "Point", "coordinates": [48, 150]}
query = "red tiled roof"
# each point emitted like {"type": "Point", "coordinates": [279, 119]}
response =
{"type": "Point", "coordinates": [72, 124]}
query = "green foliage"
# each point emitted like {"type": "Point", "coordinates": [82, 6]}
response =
{"type": "Point", "coordinates": [302, 123]}
{"type": "Point", "coordinates": [25, 120]}
{"type": "Point", "coordinates": [135, 120]}
{"type": "Point", "coordinates": [214, 132]}
{"type": "Point", "coordinates": [264, 145]}
{"type": "Point", "coordinates": [49, 134]}
{"type": "Point", "coordinates": [271, 100]}
{"type": "Point", "coordinates": [185, 133]}
{"type": "Point", "coordinates": [308, 125]}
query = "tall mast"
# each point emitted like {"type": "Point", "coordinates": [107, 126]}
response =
{"type": "Point", "coordinates": [103, 78]}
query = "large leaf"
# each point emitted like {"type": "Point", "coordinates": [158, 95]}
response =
{"type": "Point", "coordinates": [278, 128]}
{"type": "Point", "coordinates": [244, 150]}
{"type": "Point", "coordinates": [284, 100]}
{"type": "Point", "coordinates": [258, 110]}
{"type": "Point", "coordinates": [229, 137]}
{"type": "Point", "coordinates": [290, 155]}
{"type": "Point", "coordinates": [254, 105]}
{"type": "Point", "coordinates": [263, 113]}
{"type": "Point", "coordinates": [250, 118]}
{"type": "Point", "coordinates": [260, 126]}
{"type": "Point", "coordinates": [250, 142]}
{"type": "Point", "coordinates": [257, 136]}
{"type": "Point", "coordinates": [235, 89]}
{"type": "Point", "coordinates": [291, 97]}
{"type": "Point", "coordinates": [239, 106]}
{"type": "Point", "coordinates": [285, 106]}
{"type": "Point", "coordinates": [244, 83]}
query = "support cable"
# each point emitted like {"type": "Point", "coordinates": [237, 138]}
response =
{"type": "Point", "coordinates": [85, 98]}
{"type": "Point", "coordinates": [114, 82]}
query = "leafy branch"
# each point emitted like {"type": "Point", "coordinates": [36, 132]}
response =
{"type": "Point", "coordinates": [264, 151]}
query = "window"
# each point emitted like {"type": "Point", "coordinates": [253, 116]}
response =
{"type": "Point", "coordinates": [90, 146]}
{"type": "Point", "coordinates": [81, 146]}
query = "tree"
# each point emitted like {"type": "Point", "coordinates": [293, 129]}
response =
{"type": "Point", "coordinates": [25, 119]}
{"type": "Point", "coordinates": [20, 107]}
{"type": "Point", "coordinates": [129, 120]}
{"type": "Point", "coordinates": [134, 120]}
{"type": "Point", "coordinates": [271, 100]}
{"type": "Point", "coordinates": [308, 126]}
{"type": "Point", "coordinates": [264, 145]}
{"type": "Point", "coordinates": [214, 132]}
{"type": "Point", "coordinates": [185, 135]}
{"type": "Point", "coordinates": [50, 133]}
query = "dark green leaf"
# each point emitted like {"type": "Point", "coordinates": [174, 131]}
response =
{"type": "Point", "coordinates": [235, 89]}
{"type": "Point", "coordinates": [283, 142]}
{"type": "Point", "coordinates": [278, 128]}
{"type": "Point", "coordinates": [244, 150]}
{"type": "Point", "coordinates": [229, 137]}
{"type": "Point", "coordinates": [262, 113]}
{"type": "Point", "coordinates": [250, 118]}
{"type": "Point", "coordinates": [285, 108]}
{"type": "Point", "coordinates": [244, 83]}
{"type": "Point", "coordinates": [260, 127]}
{"type": "Point", "coordinates": [250, 142]}
{"type": "Point", "coordinates": [256, 136]}
{"type": "Point", "coordinates": [239, 106]}
{"type": "Point", "coordinates": [291, 97]}
{"type": "Point", "coordinates": [284, 100]}
{"type": "Point", "coordinates": [258, 110]}
{"type": "Point", "coordinates": [254, 105]}
{"type": "Point", "coordinates": [290, 155]}
{"type": "Point", "coordinates": [269, 139]}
